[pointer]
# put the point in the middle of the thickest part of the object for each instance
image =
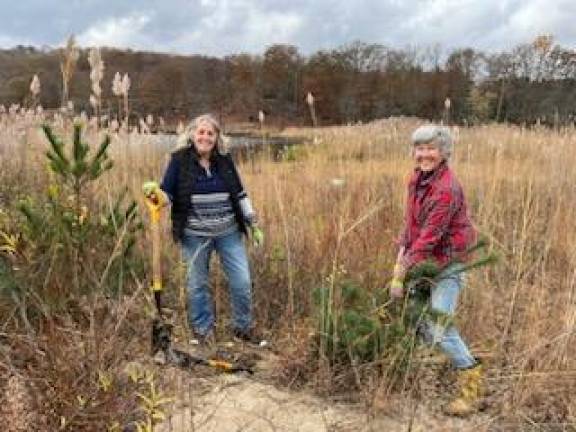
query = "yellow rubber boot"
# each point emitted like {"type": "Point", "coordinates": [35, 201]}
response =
{"type": "Point", "coordinates": [470, 390]}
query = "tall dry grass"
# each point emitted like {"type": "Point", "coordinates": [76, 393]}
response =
{"type": "Point", "coordinates": [331, 211]}
{"type": "Point", "coordinates": [519, 183]}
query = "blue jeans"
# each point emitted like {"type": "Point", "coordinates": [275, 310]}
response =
{"type": "Point", "coordinates": [232, 253]}
{"type": "Point", "coordinates": [443, 298]}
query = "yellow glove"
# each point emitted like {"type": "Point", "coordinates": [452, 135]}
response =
{"type": "Point", "coordinates": [399, 271]}
{"type": "Point", "coordinates": [154, 194]}
{"type": "Point", "coordinates": [257, 236]}
{"type": "Point", "coordinates": [396, 288]}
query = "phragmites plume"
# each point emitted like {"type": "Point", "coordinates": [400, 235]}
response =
{"type": "Point", "coordinates": [96, 75]}
{"type": "Point", "coordinates": [120, 88]}
{"type": "Point", "coordinates": [446, 117]}
{"type": "Point", "coordinates": [125, 84]}
{"type": "Point", "coordinates": [183, 135]}
{"type": "Point", "coordinates": [310, 99]}
{"type": "Point", "coordinates": [310, 102]}
{"type": "Point", "coordinates": [70, 56]}
{"type": "Point", "coordinates": [34, 91]}
{"type": "Point", "coordinates": [117, 85]}
{"type": "Point", "coordinates": [96, 70]}
{"type": "Point", "coordinates": [35, 86]}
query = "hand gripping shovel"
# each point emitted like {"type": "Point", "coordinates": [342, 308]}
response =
{"type": "Point", "coordinates": [161, 330]}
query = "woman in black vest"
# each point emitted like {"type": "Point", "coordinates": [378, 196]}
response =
{"type": "Point", "coordinates": [210, 212]}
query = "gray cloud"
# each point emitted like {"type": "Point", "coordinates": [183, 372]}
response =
{"type": "Point", "coordinates": [219, 27]}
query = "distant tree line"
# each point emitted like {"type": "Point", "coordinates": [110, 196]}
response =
{"type": "Point", "coordinates": [533, 82]}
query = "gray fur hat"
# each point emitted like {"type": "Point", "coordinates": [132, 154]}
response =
{"type": "Point", "coordinates": [440, 135]}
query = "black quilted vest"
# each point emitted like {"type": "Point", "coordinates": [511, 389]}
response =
{"type": "Point", "coordinates": [187, 175]}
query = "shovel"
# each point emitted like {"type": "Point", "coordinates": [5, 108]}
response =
{"type": "Point", "coordinates": [154, 208]}
{"type": "Point", "coordinates": [161, 330]}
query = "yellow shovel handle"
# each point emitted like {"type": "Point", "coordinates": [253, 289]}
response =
{"type": "Point", "coordinates": [155, 234]}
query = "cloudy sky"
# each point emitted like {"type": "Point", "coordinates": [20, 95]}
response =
{"type": "Point", "coordinates": [220, 27]}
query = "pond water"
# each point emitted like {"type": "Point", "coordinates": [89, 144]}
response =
{"type": "Point", "coordinates": [245, 146]}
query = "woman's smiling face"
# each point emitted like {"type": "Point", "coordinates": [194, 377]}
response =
{"type": "Point", "coordinates": [205, 137]}
{"type": "Point", "coordinates": [427, 156]}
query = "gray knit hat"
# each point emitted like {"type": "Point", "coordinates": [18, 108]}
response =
{"type": "Point", "coordinates": [439, 134]}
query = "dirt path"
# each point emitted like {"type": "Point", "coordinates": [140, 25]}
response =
{"type": "Point", "coordinates": [209, 402]}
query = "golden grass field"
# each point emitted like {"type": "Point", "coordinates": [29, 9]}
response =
{"type": "Point", "coordinates": [331, 211]}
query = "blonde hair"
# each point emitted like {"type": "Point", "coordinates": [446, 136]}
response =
{"type": "Point", "coordinates": [185, 139]}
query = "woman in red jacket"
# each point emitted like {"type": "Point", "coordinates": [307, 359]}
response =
{"type": "Point", "coordinates": [438, 228]}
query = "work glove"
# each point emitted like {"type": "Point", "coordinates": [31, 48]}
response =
{"type": "Point", "coordinates": [154, 194]}
{"type": "Point", "coordinates": [396, 288]}
{"type": "Point", "coordinates": [399, 272]}
{"type": "Point", "coordinates": [150, 188]}
{"type": "Point", "coordinates": [257, 236]}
